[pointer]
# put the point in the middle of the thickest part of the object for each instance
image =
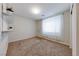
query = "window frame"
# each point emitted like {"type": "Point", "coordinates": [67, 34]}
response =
{"type": "Point", "coordinates": [62, 26]}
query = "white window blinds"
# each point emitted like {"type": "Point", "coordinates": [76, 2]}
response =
{"type": "Point", "coordinates": [52, 25]}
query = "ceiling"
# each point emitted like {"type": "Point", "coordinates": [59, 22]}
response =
{"type": "Point", "coordinates": [46, 9]}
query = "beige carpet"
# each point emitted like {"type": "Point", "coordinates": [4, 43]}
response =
{"type": "Point", "coordinates": [37, 47]}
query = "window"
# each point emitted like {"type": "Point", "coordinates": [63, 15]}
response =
{"type": "Point", "coordinates": [52, 25]}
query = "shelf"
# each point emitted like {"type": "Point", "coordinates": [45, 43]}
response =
{"type": "Point", "coordinates": [7, 13]}
{"type": "Point", "coordinates": [6, 30]}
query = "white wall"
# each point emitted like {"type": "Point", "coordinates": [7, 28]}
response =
{"type": "Point", "coordinates": [74, 31]}
{"type": "Point", "coordinates": [4, 44]}
{"type": "Point", "coordinates": [4, 34]}
{"type": "Point", "coordinates": [0, 21]}
{"type": "Point", "coordinates": [66, 30]}
{"type": "Point", "coordinates": [22, 28]}
{"type": "Point", "coordinates": [77, 23]}
{"type": "Point", "coordinates": [67, 27]}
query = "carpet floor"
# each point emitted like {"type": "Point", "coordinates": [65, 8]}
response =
{"type": "Point", "coordinates": [37, 47]}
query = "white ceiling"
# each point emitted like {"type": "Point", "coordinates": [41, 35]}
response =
{"type": "Point", "coordinates": [47, 9]}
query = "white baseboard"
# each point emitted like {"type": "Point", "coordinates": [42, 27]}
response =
{"type": "Point", "coordinates": [62, 42]}
{"type": "Point", "coordinates": [22, 39]}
